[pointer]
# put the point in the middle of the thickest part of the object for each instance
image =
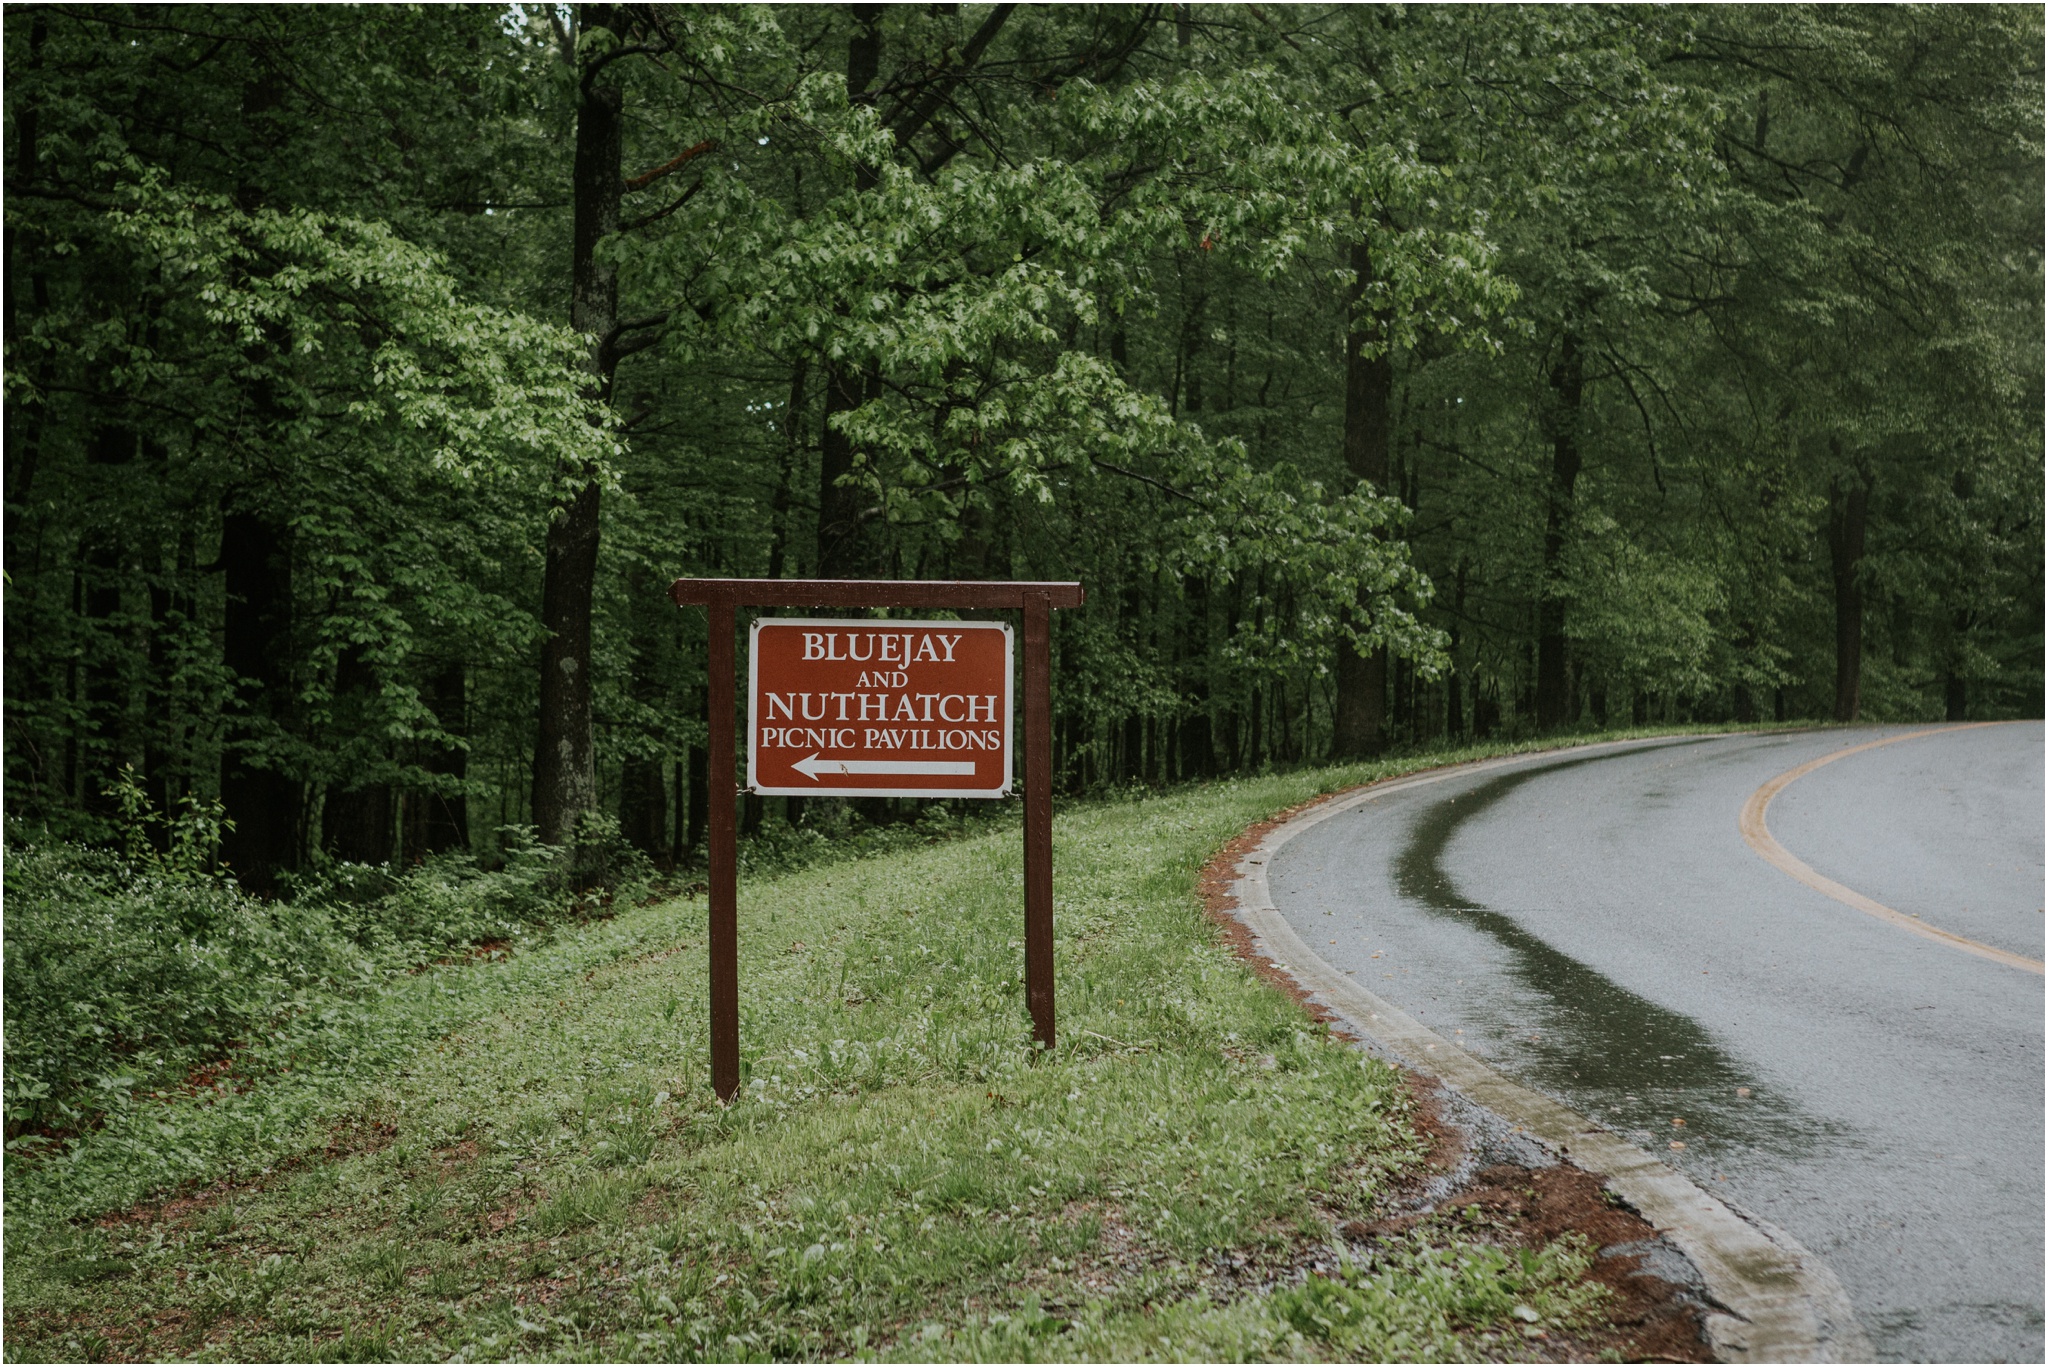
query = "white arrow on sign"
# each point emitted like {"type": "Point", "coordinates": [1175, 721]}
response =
{"type": "Point", "coordinates": [812, 766]}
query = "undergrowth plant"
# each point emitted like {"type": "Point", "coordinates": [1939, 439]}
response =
{"type": "Point", "coordinates": [147, 972]}
{"type": "Point", "coordinates": [191, 839]}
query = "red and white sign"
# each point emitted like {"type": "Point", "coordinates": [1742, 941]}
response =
{"type": "Point", "coordinates": [842, 708]}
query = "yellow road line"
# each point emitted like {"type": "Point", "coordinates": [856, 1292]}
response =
{"type": "Point", "coordinates": [1764, 843]}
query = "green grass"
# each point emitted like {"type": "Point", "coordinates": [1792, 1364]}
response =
{"type": "Point", "coordinates": [523, 1159]}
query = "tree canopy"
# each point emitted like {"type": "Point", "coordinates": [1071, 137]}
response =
{"type": "Point", "coordinates": [1384, 373]}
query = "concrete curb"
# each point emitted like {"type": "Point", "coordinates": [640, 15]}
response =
{"type": "Point", "coordinates": [1778, 1302]}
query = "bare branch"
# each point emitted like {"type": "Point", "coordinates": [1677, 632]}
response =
{"type": "Point", "coordinates": [680, 200]}
{"type": "Point", "coordinates": [908, 125]}
{"type": "Point", "coordinates": [676, 163]}
{"type": "Point", "coordinates": [1160, 485]}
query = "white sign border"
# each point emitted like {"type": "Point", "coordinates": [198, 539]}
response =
{"type": "Point", "coordinates": [842, 623]}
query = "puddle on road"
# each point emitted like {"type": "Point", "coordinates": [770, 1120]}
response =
{"type": "Point", "coordinates": [1618, 1056]}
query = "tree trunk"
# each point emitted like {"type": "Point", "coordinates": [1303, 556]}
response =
{"type": "Point", "coordinates": [1525, 687]}
{"type": "Point", "coordinates": [437, 822]}
{"type": "Point", "coordinates": [1848, 514]}
{"type": "Point", "coordinates": [565, 759]}
{"type": "Point", "coordinates": [1454, 678]}
{"type": "Point", "coordinates": [1197, 745]}
{"type": "Point", "coordinates": [679, 788]}
{"type": "Point", "coordinates": [863, 60]}
{"type": "Point", "coordinates": [699, 781]}
{"type": "Point", "coordinates": [848, 384]}
{"type": "Point", "coordinates": [1745, 695]}
{"type": "Point", "coordinates": [355, 823]}
{"type": "Point", "coordinates": [1485, 715]}
{"type": "Point", "coordinates": [1404, 700]}
{"type": "Point", "coordinates": [643, 795]}
{"type": "Point", "coordinates": [167, 758]}
{"type": "Point", "coordinates": [792, 458]}
{"type": "Point", "coordinates": [1567, 382]}
{"type": "Point", "coordinates": [1955, 684]}
{"type": "Point", "coordinates": [643, 805]}
{"type": "Point", "coordinates": [103, 571]}
{"type": "Point", "coordinates": [1360, 723]}
{"type": "Point", "coordinates": [24, 420]}
{"type": "Point", "coordinates": [255, 558]}
{"type": "Point", "coordinates": [838, 500]}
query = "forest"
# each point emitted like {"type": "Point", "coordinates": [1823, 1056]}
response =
{"type": "Point", "coordinates": [1387, 375]}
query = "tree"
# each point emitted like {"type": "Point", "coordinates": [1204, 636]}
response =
{"type": "Point", "coordinates": [1383, 374]}
{"type": "Point", "coordinates": [1891, 176]}
{"type": "Point", "coordinates": [289, 377]}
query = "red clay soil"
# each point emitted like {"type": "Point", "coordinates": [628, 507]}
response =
{"type": "Point", "coordinates": [1215, 885]}
{"type": "Point", "coordinates": [1648, 1318]}
{"type": "Point", "coordinates": [355, 1135]}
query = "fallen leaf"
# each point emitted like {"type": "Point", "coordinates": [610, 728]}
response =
{"type": "Point", "coordinates": [1677, 1144]}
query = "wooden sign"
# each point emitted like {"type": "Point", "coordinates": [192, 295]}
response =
{"type": "Point", "coordinates": [789, 768]}
{"type": "Point", "coordinates": [879, 709]}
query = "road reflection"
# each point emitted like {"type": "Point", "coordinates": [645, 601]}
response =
{"type": "Point", "coordinates": [1616, 1055]}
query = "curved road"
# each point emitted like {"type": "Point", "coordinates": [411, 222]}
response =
{"type": "Point", "coordinates": [1595, 926]}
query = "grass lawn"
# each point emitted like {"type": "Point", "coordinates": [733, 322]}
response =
{"type": "Point", "coordinates": [529, 1163]}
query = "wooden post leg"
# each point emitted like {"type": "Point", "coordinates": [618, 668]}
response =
{"type": "Point", "coordinates": [723, 834]}
{"type": "Point", "coordinates": [1038, 815]}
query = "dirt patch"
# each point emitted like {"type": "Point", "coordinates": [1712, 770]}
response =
{"type": "Point", "coordinates": [458, 1155]}
{"type": "Point", "coordinates": [674, 892]}
{"type": "Point", "coordinates": [1216, 886]}
{"type": "Point", "coordinates": [1648, 1318]}
{"type": "Point", "coordinates": [176, 1211]}
{"type": "Point", "coordinates": [217, 1076]}
{"type": "Point", "coordinates": [652, 956]}
{"type": "Point", "coordinates": [206, 1081]}
{"type": "Point", "coordinates": [492, 1223]}
{"type": "Point", "coordinates": [360, 1134]}
{"type": "Point", "coordinates": [1654, 1312]}
{"type": "Point", "coordinates": [478, 951]}
{"type": "Point", "coordinates": [1445, 1140]}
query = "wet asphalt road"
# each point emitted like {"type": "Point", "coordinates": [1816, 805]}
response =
{"type": "Point", "coordinates": [1594, 926]}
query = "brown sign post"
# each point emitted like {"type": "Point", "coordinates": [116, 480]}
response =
{"type": "Point", "coordinates": [879, 707]}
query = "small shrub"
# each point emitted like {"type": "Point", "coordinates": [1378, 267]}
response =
{"type": "Point", "coordinates": [123, 980]}
{"type": "Point", "coordinates": [134, 973]}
